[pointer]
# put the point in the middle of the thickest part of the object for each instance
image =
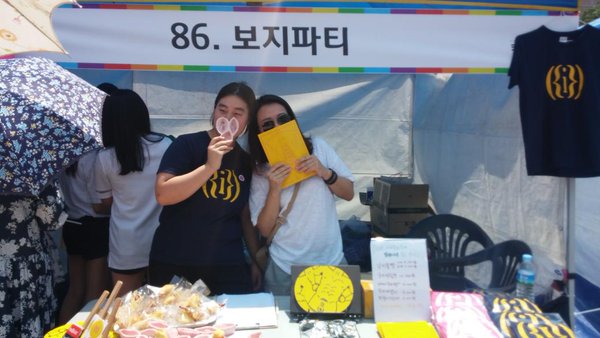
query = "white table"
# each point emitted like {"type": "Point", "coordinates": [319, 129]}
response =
{"type": "Point", "coordinates": [287, 327]}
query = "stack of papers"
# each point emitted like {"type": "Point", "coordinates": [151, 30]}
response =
{"type": "Point", "coordinates": [418, 329]}
{"type": "Point", "coordinates": [249, 311]}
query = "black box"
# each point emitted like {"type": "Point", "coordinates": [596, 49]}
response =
{"type": "Point", "coordinates": [395, 193]}
{"type": "Point", "coordinates": [398, 205]}
{"type": "Point", "coordinates": [394, 224]}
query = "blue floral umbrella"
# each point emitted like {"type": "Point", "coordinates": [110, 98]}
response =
{"type": "Point", "coordinates": [48, 118]}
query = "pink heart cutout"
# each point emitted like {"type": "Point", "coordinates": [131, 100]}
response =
{"type": "Point", "coordinates": [227, 128]}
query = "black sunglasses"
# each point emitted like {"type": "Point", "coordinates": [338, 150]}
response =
{"type": "Point", "coordinates": [281, 119]}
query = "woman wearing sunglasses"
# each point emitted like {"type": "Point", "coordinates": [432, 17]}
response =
{"type": "Point", "coordinates": [203, 182]}
{"type": "Point", "coordinates": [311, 233]}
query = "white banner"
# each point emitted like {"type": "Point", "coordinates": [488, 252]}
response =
{"type": "Point", "coordinates": [223, 37]}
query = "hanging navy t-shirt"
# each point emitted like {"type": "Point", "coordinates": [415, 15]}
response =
{"type": "Point", "coordinates": [204, 229]}
{"type": "Point", "coordinates": [558, 74]}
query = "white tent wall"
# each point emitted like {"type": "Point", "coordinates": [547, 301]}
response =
{"type": "Point", "coordinates": [468, 147]}
{"type": "Point", "coordinates": [467, 140]}
{"type": "Point", "coordinates": [366, 118]}
{"type": "Point", "coordinates": [587, 229]}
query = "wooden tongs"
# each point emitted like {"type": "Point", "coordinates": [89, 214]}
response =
{"type": "Point", "coordinates": [76, 331]}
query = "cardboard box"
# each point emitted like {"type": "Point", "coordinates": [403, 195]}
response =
{"type": "Point", "coordinates": [394, 224]}
{"type": "Point", "coordinates": [397, 193]}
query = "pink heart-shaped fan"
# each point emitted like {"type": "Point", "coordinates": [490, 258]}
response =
{"type": "Point", "coordinates": [227, 128]}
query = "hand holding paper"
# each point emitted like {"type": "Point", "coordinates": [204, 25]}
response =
{"type": "Point", "coordinates": [278, 173]}
{"type": "Point", "coordinates": [285, 144]}
{"type": "Point", "coordinates": [311, 163]}
{"type": "Point", "coordinates": [217, 147]}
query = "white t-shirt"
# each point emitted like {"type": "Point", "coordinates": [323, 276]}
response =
{"type": "Point", "coordinates": [79, 191]}
{"type": "Point", "coordinates": [134, 211]}
{"type": "Point", "coordinates": [311, 234]}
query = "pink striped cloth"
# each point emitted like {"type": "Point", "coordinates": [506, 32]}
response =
{"type": "Point", "coordinates": [461, 315]}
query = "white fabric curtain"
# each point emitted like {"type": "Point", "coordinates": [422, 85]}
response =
{"type": "Point", "coordinates": [467, 141]}
{"type": "Point", "coordinates": [366, 118]}
{"type": "Point", "coordinates": [469, 148]}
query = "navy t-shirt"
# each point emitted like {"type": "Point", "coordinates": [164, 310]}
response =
{"type": "Point", "coordinates": [204, 229]}
{"type": "Point", "coordinates": [558, 74]}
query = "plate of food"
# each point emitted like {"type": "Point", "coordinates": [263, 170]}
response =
{"type": "Point", "coordinates": [180, 305]}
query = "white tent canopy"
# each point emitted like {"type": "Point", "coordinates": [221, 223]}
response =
{"type": "Point", "coordinates": [460, 134]}
{"type": "Point", "coordinates": [464, 131]}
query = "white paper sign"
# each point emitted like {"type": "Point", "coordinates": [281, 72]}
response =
{"type": "Point", "coordinates": [249, 311]}
{"type": "Point", "coordinates": [400, 280]}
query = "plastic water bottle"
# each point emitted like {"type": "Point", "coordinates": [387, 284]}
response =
{"type": "Point", "coordinates": [526, 278]}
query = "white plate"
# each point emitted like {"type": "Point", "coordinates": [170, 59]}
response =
{"type": "Point", "coordinates": [205, 322]}
{"type": "Point", "coordinates": [210, 320]}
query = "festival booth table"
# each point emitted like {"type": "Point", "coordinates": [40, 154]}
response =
{"type": "Point", "coordinates": [401, 298]}
{"type": "Point", "coordinates": [449, 310]}
{"type": "Point", "coordinates": [286, 326]}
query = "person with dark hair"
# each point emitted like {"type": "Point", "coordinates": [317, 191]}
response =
{"type": "Point", "coordinates": [310, 234]}
{"type": "Point", "coordinates": [85, 235]}
{"type": "Point", "coordinates": [27, 300]}
{"type": "Point", "coordinates": [203, 183]}
{"type": "Point", "coordinates": [107, 87]}
{"type": "Point", "coordinates": [125, 173]}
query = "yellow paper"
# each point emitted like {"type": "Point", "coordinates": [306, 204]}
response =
{"type": "Point", "coordinates": [285, 144]}
{"type": "Point", "coordinates": [419, 329]}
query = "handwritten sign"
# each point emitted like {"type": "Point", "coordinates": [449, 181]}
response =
{"type": "Point", "coordinates": [400, 280]}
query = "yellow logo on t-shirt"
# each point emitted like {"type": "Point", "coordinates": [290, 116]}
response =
{"type": "Point", "coordinates": [564, 82]}
{"type": "Point", "coordinates": [223, 184]}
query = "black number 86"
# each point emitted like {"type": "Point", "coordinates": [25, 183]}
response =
{"type": "Point", "coordinates": [180, 39]}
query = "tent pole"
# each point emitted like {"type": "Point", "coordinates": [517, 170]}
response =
{"type": "Point", "coordinates": [571, 188]}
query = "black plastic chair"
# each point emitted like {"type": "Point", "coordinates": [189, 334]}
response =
{"type": "Point", "coordinates": [505, 258]}
{"type": "Point", "coordinates": [449, 236]}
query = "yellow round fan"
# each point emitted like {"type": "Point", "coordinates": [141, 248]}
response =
{"type": "Point", "coordinates": [323, 289]}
